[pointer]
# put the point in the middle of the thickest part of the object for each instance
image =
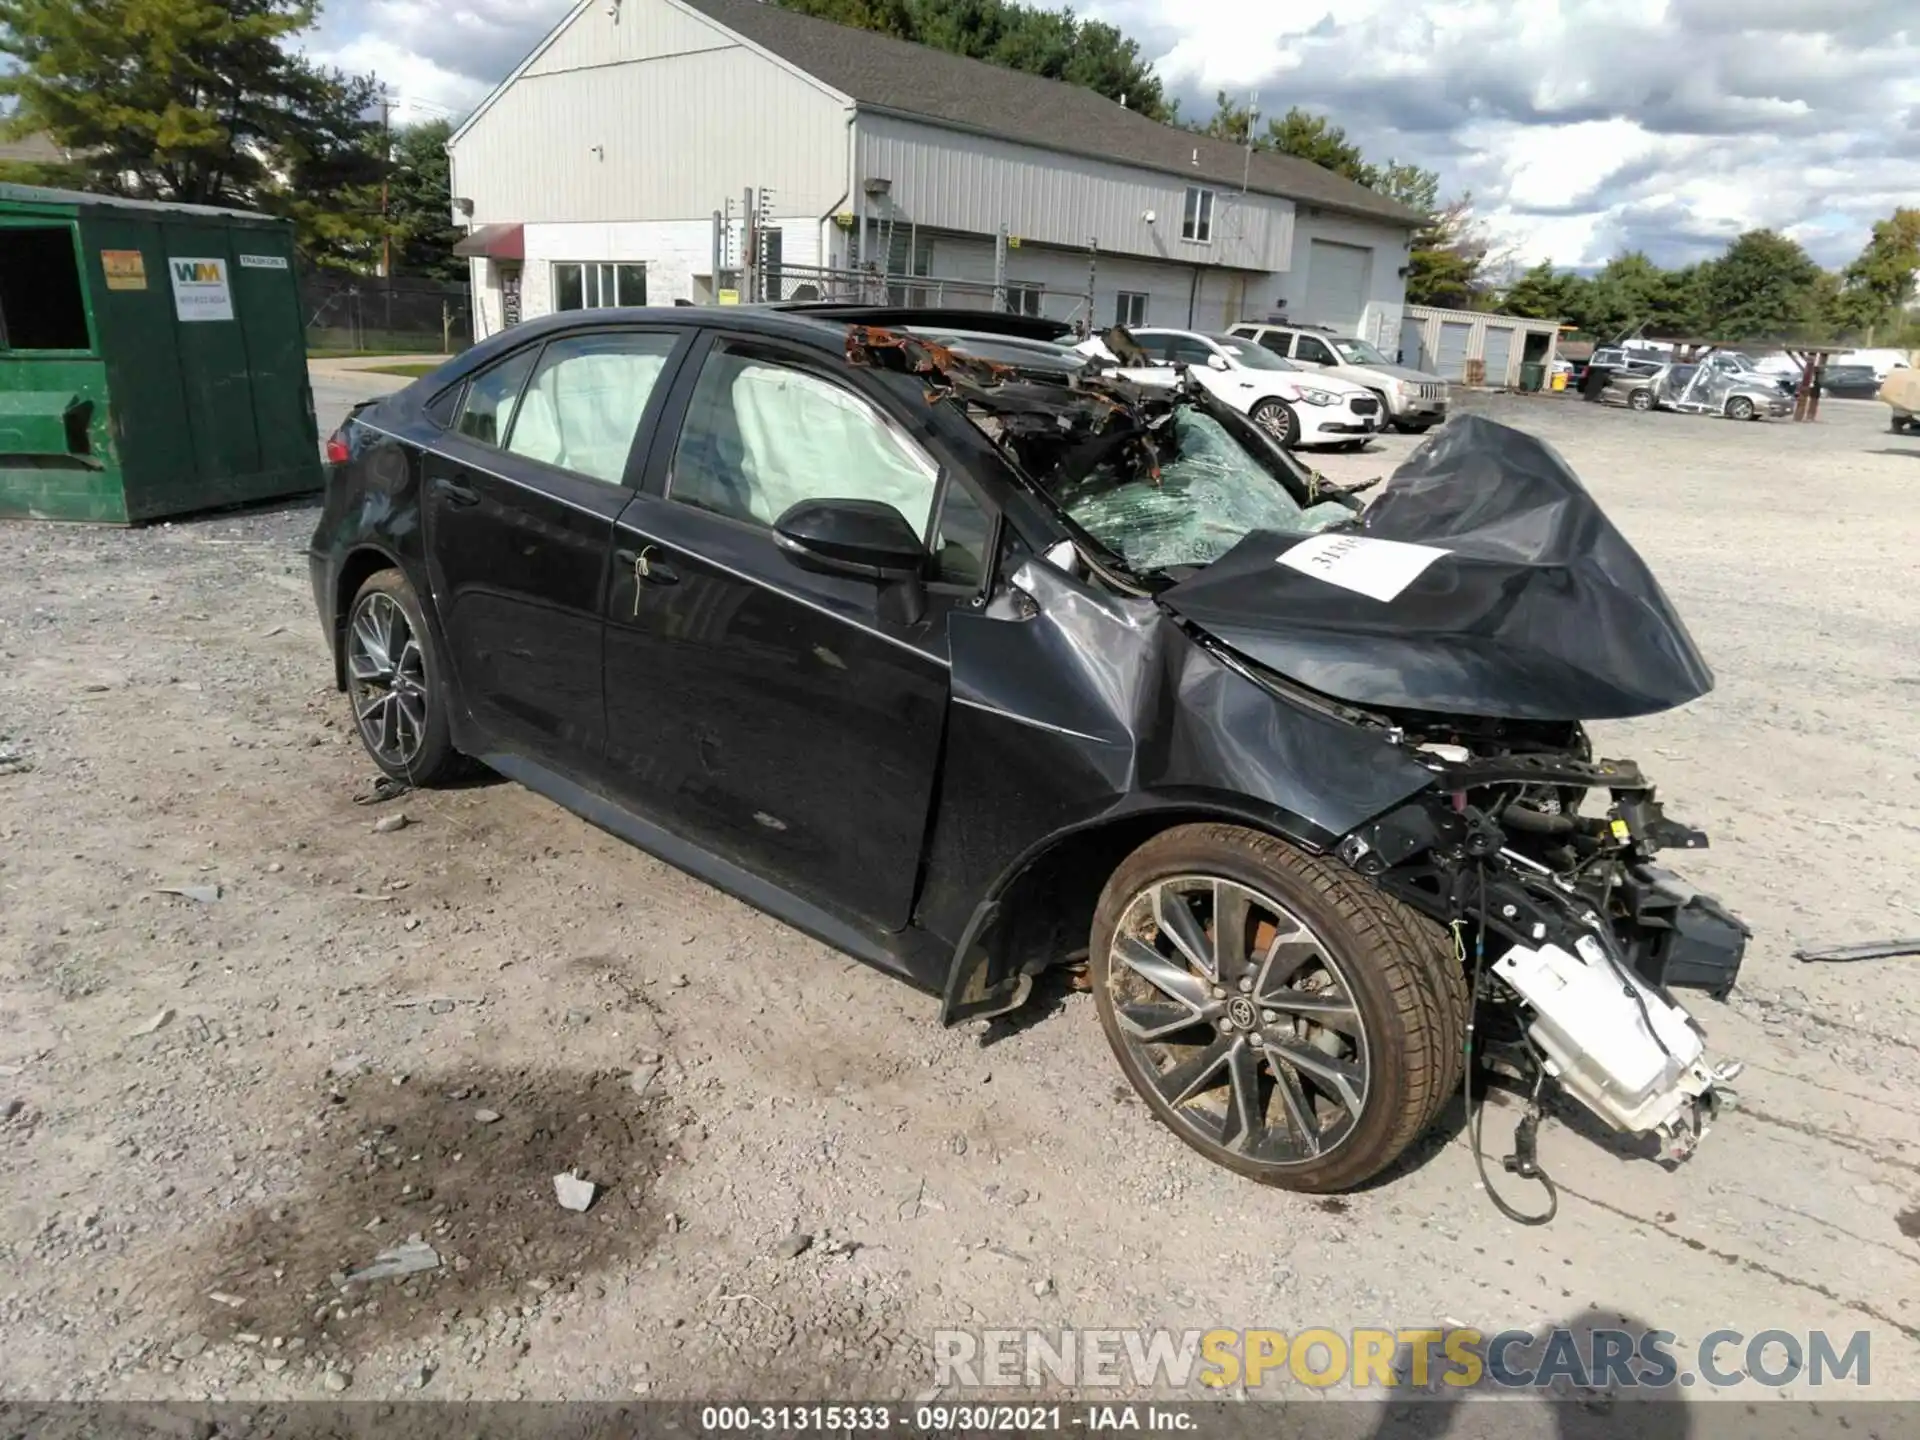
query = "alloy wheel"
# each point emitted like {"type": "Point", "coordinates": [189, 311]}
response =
{"type": "Point", "coordinates": [1241, 1020]}
{"type": "Point", "coordinates": [387, 680]}
{"type": "Point", "coordinates": [1277, 420]}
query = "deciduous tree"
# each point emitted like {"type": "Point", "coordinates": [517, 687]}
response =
{"type": "Point", "coordinates": [1762, 288]}
{"type": "Point", "coordinates": [1875, 288]}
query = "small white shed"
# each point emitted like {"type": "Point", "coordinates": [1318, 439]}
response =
{"type": "Point", "coordinates": [1448, 342]}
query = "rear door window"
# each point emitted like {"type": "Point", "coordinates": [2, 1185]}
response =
{"type": "Point", "coordinates": [583, 406]}
{"type": "Point", "coordinates": [487, 406]}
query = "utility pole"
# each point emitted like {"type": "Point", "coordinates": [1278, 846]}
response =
{"type": "Point", "coordinates": [386, 166]}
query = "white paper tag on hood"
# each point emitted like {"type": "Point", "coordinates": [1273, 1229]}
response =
{"type": "Point", "coordinates": [1380, 569]}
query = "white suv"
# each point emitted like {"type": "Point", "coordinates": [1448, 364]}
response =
{"type": "Point", "coordinates": [1298, 409]}
{"type": "Point", "coordinates": [1414, 400]}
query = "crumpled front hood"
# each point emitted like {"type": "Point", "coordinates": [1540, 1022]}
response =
{"type": "Point", "coordinates": [1483, 581]}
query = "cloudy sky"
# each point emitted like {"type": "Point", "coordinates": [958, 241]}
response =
{"type": "Point", "coordinates": [1581, 127]}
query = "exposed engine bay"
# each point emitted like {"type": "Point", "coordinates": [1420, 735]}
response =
{"type": "Point", "coordinates": [1470, 621]}
{"type": "Point", "coordinates": [1544, 861]}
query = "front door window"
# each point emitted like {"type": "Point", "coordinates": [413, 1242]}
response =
{"type": "Point", "coordinates": [760, 437]}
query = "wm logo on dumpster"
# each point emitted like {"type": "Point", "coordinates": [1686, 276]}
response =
{"type": "Point", "coordinates": [197, 272]}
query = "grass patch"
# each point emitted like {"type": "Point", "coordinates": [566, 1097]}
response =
{"type": "Point", "coordinates": [412, 372]}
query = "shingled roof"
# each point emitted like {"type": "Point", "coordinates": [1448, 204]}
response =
{"type": "Point", "coordinates": [896, 75]}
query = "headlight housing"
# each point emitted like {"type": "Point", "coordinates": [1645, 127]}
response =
{"type": "Point", "coordinates": [1316, 397]}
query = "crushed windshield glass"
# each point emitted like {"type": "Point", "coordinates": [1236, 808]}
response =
{"type": "Point", "coordinates": [1358, 352]}
{"type": "Point", "coordinates": [1211, 495]}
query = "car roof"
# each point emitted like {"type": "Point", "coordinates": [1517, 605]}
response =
{"type": "Point", "coordinates": [820, 326]}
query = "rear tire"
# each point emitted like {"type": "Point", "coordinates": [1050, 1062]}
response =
{"type": "Point", "coordinates": [1641, 400]}
{"type": "Point", "coordinates": [1276, 417]}
{"type": "Point", "coordinates": [1303, 1043]}
{"type": "Point", "coordinates": [396, 684]}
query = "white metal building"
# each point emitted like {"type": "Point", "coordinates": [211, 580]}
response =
{"type": "Point", "coordinates": [592, 175]}
{"type": "Point", "coordinates": [1450, 342]}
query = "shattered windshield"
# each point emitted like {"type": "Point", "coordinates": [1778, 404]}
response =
{"type": "Point", "coordinates": [1212, 493]}
{"type": "Point", "coordinates": [1357, 352]}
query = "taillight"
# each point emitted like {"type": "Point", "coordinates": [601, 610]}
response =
{"type": "Point", "coordinates": [337, 451]}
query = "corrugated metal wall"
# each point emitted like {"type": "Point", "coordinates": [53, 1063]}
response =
{"type": "Point", "coordinates": [950, 180]}
{"type": "Point", "coordinates": [620, 122]}
{"type": "Point", "coordinates": [1217, 300]}
{"type": "Point", "coordinates": [1449, 338]}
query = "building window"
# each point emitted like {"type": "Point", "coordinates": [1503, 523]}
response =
{"type": "Point", "coordinates": [1023, 299]}
{"type": "Point", "coordinates": [595, 286]}
{"type": "Point", "coordinates": [1131, 311]}
{"type": "Point", "coordinates": [1197, 223]}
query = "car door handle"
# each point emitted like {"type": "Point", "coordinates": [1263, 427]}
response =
{"type": "Point", "coordinates": [456, 493]}
{"type": "Point", "coordinates": [648, 569]}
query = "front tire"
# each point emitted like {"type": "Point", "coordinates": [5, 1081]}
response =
{"type": "Point", "coordinates": [1276, 417]}
{"type": "Point", "coordinates": [1641, 400]}
{"type": "Point", "coordinates": [1279, 1014]}
{"type": "Point", "coordinates": [397, 684]}
{"type": "Point", "coordinates": [1740, 408]}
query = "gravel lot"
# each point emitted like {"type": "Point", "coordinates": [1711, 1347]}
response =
{"type": "Point", "coordinates": [212, 1110]}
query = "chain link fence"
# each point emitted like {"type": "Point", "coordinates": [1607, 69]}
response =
{"type": "Point", "coordinates": [401, 315]}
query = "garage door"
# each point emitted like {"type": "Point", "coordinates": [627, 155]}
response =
{"type": "Point", "coordinates": [1413, 345]}
{"type": "Point", "coordinates": [1451, 362]}
{"type": "Point", "coordinates": [1337, 283]}
{"type": "Point", "coordinates": [1498, 353]}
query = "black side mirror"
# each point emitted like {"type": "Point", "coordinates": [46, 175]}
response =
{"type": "Point", "coordinates": [851, 537]}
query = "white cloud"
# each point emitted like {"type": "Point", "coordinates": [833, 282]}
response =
{"type": "Point", "coordinates": [1581, 127]}
{"type": "Point", "coordinates": [1586, 126]}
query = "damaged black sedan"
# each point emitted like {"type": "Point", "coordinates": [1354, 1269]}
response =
{"type": "Point", "coordinates": [972, 660]}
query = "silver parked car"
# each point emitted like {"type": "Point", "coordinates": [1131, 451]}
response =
{"type": "Point", "coordinates": [1701, 389]}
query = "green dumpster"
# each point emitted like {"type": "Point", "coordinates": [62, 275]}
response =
{"type": "Point", "coordinates": [152, 359]}
{"type": "Point", "coordinates": [1533, 376]}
